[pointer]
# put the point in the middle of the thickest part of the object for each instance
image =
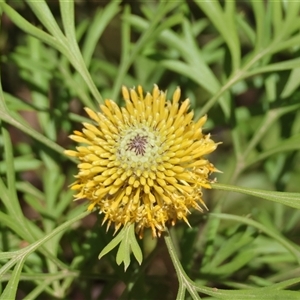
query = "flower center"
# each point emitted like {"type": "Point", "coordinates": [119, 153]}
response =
{"type": "Point", "coordinates": [138, 144]}
{"type": "Point", "coordinates": [138, 148]}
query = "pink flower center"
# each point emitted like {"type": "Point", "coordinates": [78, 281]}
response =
{"type": "Point", "coordinates": [138, 144]}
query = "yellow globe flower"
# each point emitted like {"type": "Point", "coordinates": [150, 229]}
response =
{"type": "Point", "coordinates": [143, 163]}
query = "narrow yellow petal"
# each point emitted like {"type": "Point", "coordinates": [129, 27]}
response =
{"type": "Point", "coordinates": [71, 153]}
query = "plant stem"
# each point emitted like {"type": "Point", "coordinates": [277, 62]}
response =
{"type": "Point", "coordinates": [185, 283]}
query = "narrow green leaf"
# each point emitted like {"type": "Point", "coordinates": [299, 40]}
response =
{"type": "Point", "coordinates": [67, 14]}
{"type": "Point", "coordinates": [281, 66]}
{"type": "Point", "coordinates": [63, 202]}
{"type": "Point", "coordinates": [33, 62]}
{"type": "Point", "coordinates": [41, 80]}
{"type": "Point", "coordinates": [166, 37]}
{"type": "Point", "coordinates": [284, 45]}
{"type": "Point", "coordinates": [43, 13]}
{"type": "Point", "coordinates": [237, 262]}
{"type": "Point", "coordinates": [14, 103]}
{"type": "Point", "coordinates": [229, 247]}
{"type": "Point", "coordinates": [201, 76]}
{"type": "Point", "coordinates": [120, 253]}
{"type": "Point", "coordinates": [277, 16]}
{"type": "Point", "coordinates": [294, 249]}
{"type": "Point", "coordinates": [153, 30]}
{"type": "Point", "coordinates": [289, 199]}
{"type": "Point", "coordinates": [263, 28]}
{"type": "Point", "coordinates": [290, 144]}
{"type": "Point", "coordinates": [14, 224]}
{"type": "Point", "coordinates": [29, 28]}
{"type": "Point", "coordinates": [28, 231]}
{"type": "Point", "coordinates": [8, 255]}
{"type": "Point", "coordinates": [112, 244]}
{"type": "Point", "coordinates": [22, 163]}
{"type": "Point", "coordinates": [124, 251]}
{"type": "Point", "coordinates": [39, 243]}
{"type": "Point", "coordinates": [292, 84]}
{"type": "Point", "coordinates": [23, 126]}
{"type": "Point", "coordinates": [196, 62]}
{"type": "Point", "coordinates": [40, 207]}
{"type": "Point", "coordinates": [41, 287]}
{"type": "Point", "coordinates": [271, 87]}
{"type": "Point", "coordinates": [269, 119]}
{"type": "Point", "coordinates": [58, 230]}
{"type": "Point", "coordinates": [211, 230]}
{"type": "Point", "coordinates": [247, 30]}
{"type": "Point", "coordinates": [7, 266]}
{"type": "Point", "coordinates": [71, 51]}
{"type": "Point", "coordinates": [12, 205]}
{"type": "Point", "coordinates": [10, 171]}
{"type": "Point", "coordinates": [257, 293]}
{"type": "Point", "coordinates": [125, 34]}
{"type": "Point", "coordinates": [96, 27]}
{"type": "Point", "coordinates": [123, 254]}
{"type": "Point", "coordinates": [291, 21]}
{"type": "Point", "coordinates": [229, 32]}
{"type": "Point", "coordinates": [135, 247]}
{"type": "Point", "coordinates": [11, 287]}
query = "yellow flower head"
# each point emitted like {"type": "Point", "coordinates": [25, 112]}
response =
{"type": "Point", "coordinates": [143, 163]}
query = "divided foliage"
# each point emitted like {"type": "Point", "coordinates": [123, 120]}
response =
{"type": "Point", "coordinates": [238, 62]}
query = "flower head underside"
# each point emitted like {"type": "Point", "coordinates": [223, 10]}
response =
{"type": "Point", "coordinates": [143, 163]}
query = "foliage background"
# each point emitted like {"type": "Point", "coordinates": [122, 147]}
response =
{"type": "Point", "coordinates": [238, 61]}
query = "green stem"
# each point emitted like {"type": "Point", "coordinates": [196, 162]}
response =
{"type": "Point", "coordinates": [185, 283]}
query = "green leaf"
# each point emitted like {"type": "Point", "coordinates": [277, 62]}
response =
{"type": "Point", "coordinates": [285, 45]}
{"type": "Point", "coordinates": [14, 224]}
{"type": "Point", "coordinates": [152, 31]}
{"type": "Point", "coordinates": [7, 266]}
{"type": "Point", "coordinates": [266, 293]}
{"type": "Point", "coordinates": [12, 285]}
{"type": "Point", "coordinates": [43, 13]}
{"type": "Point", "coordinates": [127, 240]}
{"type": "Point", "coordinates": [112, 244]}
{"type": "Point", "coordinates": [281, 66]}
{"type": "Point", "coordinates": [22, 254]}
{"type": "Point", "coordinates": [292, 83]}
{"type": "Point", "coordinates": [290, 144]}
{"type": "Point", "coordinates": [263, 28]}
{"type": "Point", "coordinates": [238, 261]}
{"type": "Point", "coordinates": [22, 163]}
{"type": "Point", "coordinates": [211, 231]}
{"type": "Point", "coordinates": [289, 199]}
{"type": "Point", "coordinates": [14, 103]}
{"type": "Point", "coordinates": [67, 14]}
{"type": "Point", "coordinates": [230, 246]}
{"type": "Point", "coordinates": [29, 28]}
{"type": "Point", "coordinates": [123, 254]}
{"type": "Point", "coordinates": [200, 74]}
{"type": "Point", "coordinates": [272, 232]}
{"type": "Point", "coordinates": [290, 22]}
{"type": "Point", "coordinates": [247, 30]}
{"type": "Point", "coordinates": [277, 16]}
{"type": "Point", "coordinates": [96, 27]}
{"type": "Point", "coordinates": [13, 203]}
{"type": "Point", "coordinates": [135, 247]}
{"type": "Point", "coordinates": [218, 17]}
{"type": "Point", "coordinates": [8, 255]}
{"type": "Point", "coordinates": [19, 123]}
{"type": "Point", "coordinates": [60, 42]}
